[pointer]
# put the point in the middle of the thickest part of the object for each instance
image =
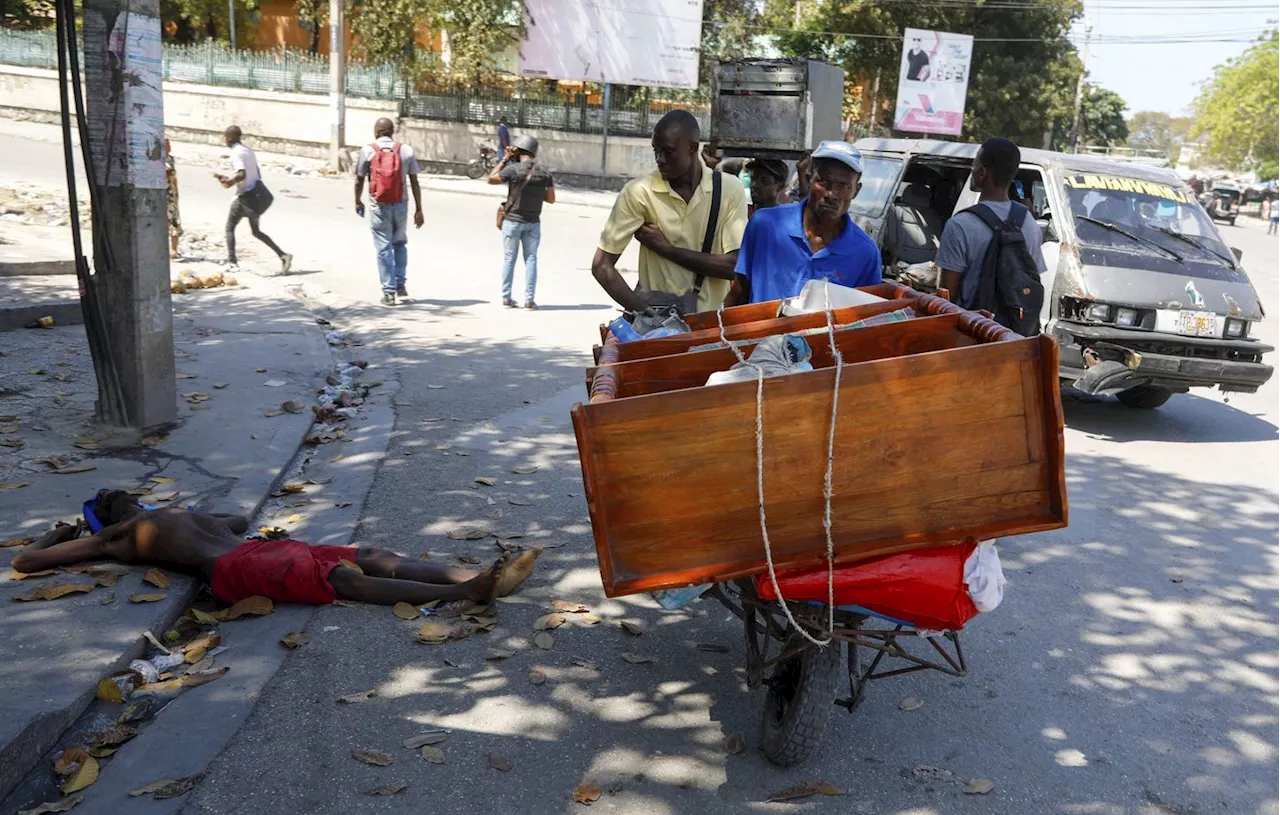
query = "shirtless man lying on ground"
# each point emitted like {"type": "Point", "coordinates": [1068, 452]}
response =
{"type": "Point", "coordinates": [289, 571]}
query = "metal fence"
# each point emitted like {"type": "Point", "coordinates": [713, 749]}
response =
{"type": "Point", "coordinates": [300, 72]}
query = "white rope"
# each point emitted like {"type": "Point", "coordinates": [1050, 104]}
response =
{"type": "Point", "coordinates": [764, 526]}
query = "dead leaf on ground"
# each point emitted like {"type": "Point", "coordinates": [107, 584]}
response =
{"type": "Point", "coordinates": [103, 752]}
{"type": "Point", "coordinates": [173, 789]}
{"type": "Point", "coordinates": [9, 428]}
{"type": "Point", "coordinates": [584, 620]}
{"type": "Point", "coordinates": [537, 677]}
{"type": "Point", "coordinates": [636, 659]}
{"type": "Point", "coordinates": [406, 611]}
{"type": "Point", "coordinates": [152, 441]}
{"type": "Point", "coordinates": [13, 443]}
{"type": "Point", "coordinates": [911, 703]}
{"type": "Point", "coordinates": [389, 789]}
{"type": "Point", "coordinates": [156, 578]}
{"type": "Point", "coordinates": [712, 647]}
{"type": "Point", "coordinates": [9, 485]}
{"type": "Point", "coordinates": [353, 698]}
{"type": "Point", "coordinates": [437, 633]}
{"type": "Point", "coordinates": [634, 629]}
{"type": "Point", "coordinates": [148, 597]}
{"type": "Point", "coordinates": [136, 712]}
{"type": "Point", "coordinates": [544, 641]}
{"type": "Point", "coordinates": [485, 480]}
{"type": "Point", "coordinates": [528, 469]}
{"type": "Point", "coordinates": [979, 786]}
{"type": "Point", "coordinates": [588, 792]}
{"type": "Point", "coordinates": [52, 591]}
{"type": "Point", "coordinates": [495, 654]}
{"type": "Point", "coordinates": [191, 680]}
{"type": "Point", "coordinates": [431, 754]}
{"type": "Point", "coordinates": [86, 774]}
{"type": "Point", "coordinates": [85, 444]}
{"type": "Point", "coordinates": [294, 639]}
{"type": "Point", "coordinates": [106, 580]}
{"type": "Point", "coordinates": [256, 606]}
{"type": "Point", "coordinates": [72, 469]}
{"type": "Point", "coordinates": [150, 788]}
{"type": "Point", "coordinates": [162, 479]}
{"type": "Point", "coordinates": [519, 502]}
{"type": "Point", "coordinates": [16, 542]}
{"type": "Point", "coordinates": [109, 691]}
{"type": "Point", "coordinates": [70, 760]}
{"type": "Point", "coordinates": [53, 807]}
{"type": "Point", "coordinates": [813, 787]}
{"type": "Point", "coordinates": [107, 599]}
{"type": "Point", "coordinates": [467, 533]}
{"type": "Point", "coordinates": [500, 762]}
{"type": "Point", "coordinates": [426, 739]}
{"type": "Point", "coordinates": [219, 385]}
{"type": "Point", "coordinates": [569, 608]}
{"type": "Point", "coordinates": [589, 665]}
{"type": "Point", "coordinates": [735, 743]}
{"type": "Point", "coordinates": [111, 737]}
{"type": "Point", "coordinates": [553, 620]}
{"type": "Point", "coordinates": [376, 758]}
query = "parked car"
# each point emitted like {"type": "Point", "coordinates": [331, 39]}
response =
{"type": "Point", "coordinates": [1222, 203]}
{"type": "Point", "coordinates": [1142, 294]}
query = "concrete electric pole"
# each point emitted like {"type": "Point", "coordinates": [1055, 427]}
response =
{"type": "Point", "coordinates": [1084, 70]}
{"type": "Point", "coordinates": [124, 109]}
{"type": "Point", "coordinates": [337, 84]}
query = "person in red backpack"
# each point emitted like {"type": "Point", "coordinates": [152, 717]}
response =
{"type": "Point", "coordinates": [385, 163]}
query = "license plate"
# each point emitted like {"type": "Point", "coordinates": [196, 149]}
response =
{"type": "Point", "coordinates": [1198, 323]}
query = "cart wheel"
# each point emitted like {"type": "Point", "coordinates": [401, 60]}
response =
{"type": "Point", "coordinates": [801, 693]}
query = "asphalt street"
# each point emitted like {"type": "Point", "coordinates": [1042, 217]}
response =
{"type": "Point", "coordinates": [1131, 669]}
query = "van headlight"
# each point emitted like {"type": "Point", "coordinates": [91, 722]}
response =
{"type": "Point", "coordinates": [1098, 312]}
{"type": "Point", "coordinates": [1236, 328]}
{"type": "Point", "coordinates": [1126, 317]}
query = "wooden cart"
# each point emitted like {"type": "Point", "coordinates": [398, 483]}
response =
{"type": "Point", "coordinates": [950, 429]}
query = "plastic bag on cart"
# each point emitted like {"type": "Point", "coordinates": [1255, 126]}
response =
{"type": "Point", "coordinates": [927, 588]}
{"type": "Point", "coordinates": [776, 355]}
{"type": "Point", "coordinates": [654, 322]}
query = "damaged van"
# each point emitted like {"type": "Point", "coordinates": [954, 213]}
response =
{"type": "Point", "coordinates": [1142, 294]}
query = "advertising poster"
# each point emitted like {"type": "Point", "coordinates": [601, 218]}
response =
{"type": "Point", "coordinates": [933, 82]}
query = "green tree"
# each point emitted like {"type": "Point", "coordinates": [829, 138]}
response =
{"type": "Point", "coordinates": [1154, 130]}
{"type": "Point", "coordinates": [26, 14]}
{"type": "Point", "coordinates": [1017, 89]}
{"type": "Point", "coordinates": [314, 16]}
{"type": "Point", "coordinates": [383, 30]}
{"type": "Point", "coordinates": [478, 30]}
{"type": "Point", "coordinates": [1236, 111]}
{"type": "Point", "coordinates": [1102, 121]}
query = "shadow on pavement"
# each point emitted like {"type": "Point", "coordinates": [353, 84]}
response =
{"type": "Point", "coordinates": [1186, 418]}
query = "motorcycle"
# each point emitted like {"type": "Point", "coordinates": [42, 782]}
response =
{"type": "Point", "coordinates": [481, 166]}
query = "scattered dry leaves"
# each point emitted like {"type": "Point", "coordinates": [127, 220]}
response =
{"type": "Point", "coordinates": [537, 677]}
{"type": "Point", "coordinates": [353, 698]}
{"type": "Point", "coordinates": [85, 774]}
{"type": "Point", "coordinates": [148, 597]}
{"type": "Point", "coordinates": [569, 608]}
{"type": "Point", "coordinates": [15, 575]}
{"type": "Point", "coordinates": [376, 758]}
{"type": "Point", "coordinates": [812, 787]}
{"type": "Point", "coordinates": [636, 659]}
{"type": "Point", "coordinates": [418, 742]}
{"type": "Point", "coordinates": [256, 606]}
{"type": "Point", "coordinates": [16, 542]}
{"type": "Point", "coordinates": [911, 703]}
{"type": "Point", "coordinates": [485, 480]}
{"type": "Point", "coordinates": [527, 469]}
{"type": "Point", "coordinates": [111, 737]}
{"type": "Point", "coordinates": [735, 743]}
{"type": "Point", "coordinates": [979, 786]}
{"type": "Point", "coordinates": [70, 760]}
{"type": "Point", "coordinates": [52, 591]}
{"type": "Point", "coordinates": [495, 654]}
{"type": "Point", "coordinates": [406, 611]}
{"type": "Point", "coordinates": [53, 807]}
{"type": "Point", "coordinates": [150, 788]}
{"type": "Point", "coordinates": [553, 620]}
{"type": "Point", "coordinates": [634, 629]}
{"type": "Point", "coordinates": [467, 533]}
{"type": "Point", "coordinates": [10, 485]}
{"type": "Point", "coordinates": [544, 641]}
{"type": "Point", "coordinates": [588, 792]}
{"type": "Point", "coordinates": [294, 639]}
{"type": "Point", "coordinates": [431, 754]}
{"type": "Point", "coordinates": [500, 762]}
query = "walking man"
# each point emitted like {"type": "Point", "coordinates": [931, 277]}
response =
{"type": "Point", "coordinates": [504, 136]}
{"type": "Point", "coordinates": [529, 186]}
{"type": "Point", "coordinates": [385, 163]}
{"type": "Point", "coordinates": [689, 222]}
{"type": "Point", "coordinates": [965, 239]}
{"type": "Point", "coordinates": [251, 201]}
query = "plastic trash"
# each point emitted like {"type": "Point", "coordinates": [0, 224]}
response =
{"type": "Point", "coordinates": [672, 599]}
{"type": "Point", "coordinates": [984, 577]}
{"type": "Point", "coordinates": [776, 355]}
{"type": "Point", "coordinates": [43, 322]}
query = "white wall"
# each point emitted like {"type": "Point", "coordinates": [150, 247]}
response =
{"type": "Point", "coordinates": [298, 124]}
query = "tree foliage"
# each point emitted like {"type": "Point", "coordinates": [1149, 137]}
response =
{"type": "Point", "coordinates": [26, 14]}
{"type": "Point", "coordinates": [1102, 121]}
{"type": "Point", "coordinates": [1236, 111]}
{"type": "Point", "coordinates": [1019, 90]}
{"type": "Point", "coordinates": [1155, 130]}
{"type": "Point", "coordinates": [387, 31]}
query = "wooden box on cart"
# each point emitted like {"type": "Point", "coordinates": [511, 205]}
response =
{"type": "Point", "coordinates": [950, 427]}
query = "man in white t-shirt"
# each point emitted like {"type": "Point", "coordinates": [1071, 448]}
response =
{"type": "Point", "coordinates": [251, 198]}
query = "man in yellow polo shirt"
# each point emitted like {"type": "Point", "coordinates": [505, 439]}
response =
{"type": "Point", "coordinates": [668, 212]}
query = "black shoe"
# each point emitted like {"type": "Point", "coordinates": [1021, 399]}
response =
{"type": "Point", "coordinates": [401, 291]}
{"type": "Point", "coordinates": [388, 299]}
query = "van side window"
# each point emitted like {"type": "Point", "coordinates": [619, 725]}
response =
{"type": "Point", "coordinates": [879, 181]}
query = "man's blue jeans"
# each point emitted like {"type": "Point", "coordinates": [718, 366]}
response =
{"type": "Point", "coordinates": [389, 224]}
{"type": "Point", "coordinates": [514, 236]}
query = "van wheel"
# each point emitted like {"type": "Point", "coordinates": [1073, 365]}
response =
{"type": "Point", "coordinates": [1145, 397]}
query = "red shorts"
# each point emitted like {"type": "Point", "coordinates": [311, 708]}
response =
{"type": "Point", "coordinates": [287, 571]}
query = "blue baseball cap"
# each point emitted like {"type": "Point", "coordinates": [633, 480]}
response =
{"type": "Point", "coordinates": [842, 152]}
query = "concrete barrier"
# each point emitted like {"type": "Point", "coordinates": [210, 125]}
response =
{"type": "Point", "coordinates": [298, 124]}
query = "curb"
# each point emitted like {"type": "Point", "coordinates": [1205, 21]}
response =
{"type": "Point", "coordinates": [36, 268]}
{"type": "Point", "coordinates": [63, 312]}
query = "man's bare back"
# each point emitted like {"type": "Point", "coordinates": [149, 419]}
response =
{"type": "Point", "coordinates": [210, 546]}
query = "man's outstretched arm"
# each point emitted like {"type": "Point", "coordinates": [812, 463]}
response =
{"type": "Point", "coordinates": [54, 548]}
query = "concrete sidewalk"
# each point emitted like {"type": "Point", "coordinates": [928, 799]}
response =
{"type": "Point", "coordinates": [242, 352]}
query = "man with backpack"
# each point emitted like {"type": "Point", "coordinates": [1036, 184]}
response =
{"type": "Point", "coordinates": [385, 163]}
{"type": "Point", "coordinates": [990, 255]}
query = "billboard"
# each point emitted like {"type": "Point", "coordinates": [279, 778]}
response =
{"type": "Point", "coordinates": [932, 82]}
{"type": "Point", "coordinates": [628, 42]}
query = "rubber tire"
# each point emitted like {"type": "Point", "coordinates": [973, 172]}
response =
{"type": "Point", "coordinates": [792, 728]}
{"type": "Point", "coordinates": [475, 170]}
{"type": "Point", "coordinates": [1144, 397]}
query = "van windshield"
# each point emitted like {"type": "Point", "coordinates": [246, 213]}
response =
{"type": "Point", "coordinates": [879, 179]}
{"type": "Point", "coordinates": [1152, 213]}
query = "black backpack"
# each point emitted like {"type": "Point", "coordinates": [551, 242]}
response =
{"type": "Point", "coordinates": [1010, 286]}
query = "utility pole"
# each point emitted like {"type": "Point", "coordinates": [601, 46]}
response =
{"type": "Point", "coordinates": [125, 120]}
{"type": "Point", "coordinates": [604, 141]}
{"type": "Point", "coordinates": [798, 17]}
{"type": "Point", "coordinates": [337, 84]}
{"type": "Point", "coordinates": [1084, 70]}
{"type": "Point", "coordinates": [231, 15]}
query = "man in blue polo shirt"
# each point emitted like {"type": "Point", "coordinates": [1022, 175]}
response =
{"type": "Point", "coordinates": [786, 246]}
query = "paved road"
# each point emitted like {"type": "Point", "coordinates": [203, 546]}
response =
{"type": "Point", "coordinates": [1131, 669]}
